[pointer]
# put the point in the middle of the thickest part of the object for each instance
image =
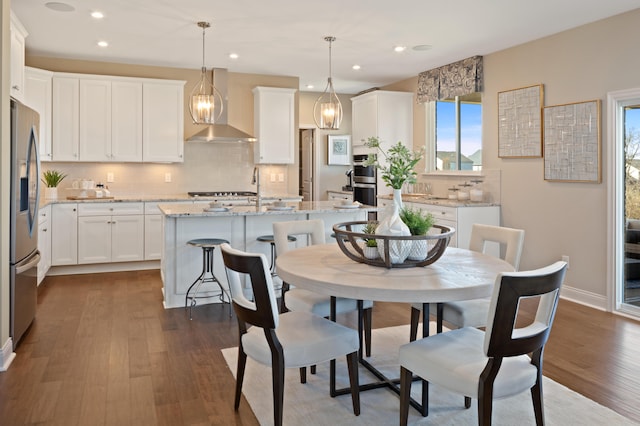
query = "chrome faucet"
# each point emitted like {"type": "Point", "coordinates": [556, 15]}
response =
{"type": "Point", "coordinates": [256, 181]}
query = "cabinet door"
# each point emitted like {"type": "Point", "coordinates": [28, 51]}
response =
{"type": "Point", "coordinates": [163, 122]}
{"type": "Point", "coordinates": [16, 72]}
{"type": "Point", "coordinates": [64, 234]}
{"type": "Point", "coordinates": [66, 114]}
{"type": "Point", "coordinates": [274, 125]}
{"type": "Point", "coordinates": [364, 119]}
{"type": "Point", "coordinates": [152, 237]}
{"type": "Point", "coordinates": [37, 95]}
{"type": "Point", "coordinates": [127, 238]}
{"type": "Point", "coordinates": [95, 120]}
{"type": "Point", "coordinates": [44, 242]}
{"type": "Point", "coordinates": [94, 239]}
{"type": "Point", "coordinates": [126, 121]}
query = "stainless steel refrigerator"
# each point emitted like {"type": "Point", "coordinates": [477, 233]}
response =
{"type": "Point", "coordinates": [25, 195]}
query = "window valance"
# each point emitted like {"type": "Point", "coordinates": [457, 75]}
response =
{"type": "Point", "coordinates": [457, 79]}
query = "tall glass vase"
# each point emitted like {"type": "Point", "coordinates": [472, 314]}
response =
{"type": "Point", "coordinates": [391, 224]}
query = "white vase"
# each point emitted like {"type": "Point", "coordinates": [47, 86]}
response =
{"type": "Point", "coordinates": [392, 225]}
{"type": "Point", "coordinates": [370, 252]}
{"type": "Point", "coordinates": [419, 250]}
{"type": "Point", "coordinates": [51, 193]}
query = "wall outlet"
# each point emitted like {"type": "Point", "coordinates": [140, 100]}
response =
{"type": "Point", "coordinates": [272, 177]}
{"type": "Point", "coordinates": [110, 177]}
{"type": "Point", "coordinates": [565, 258]}
{"type": "Point", "coordinates": [280, 177]}
{"type": "Point", "coordinates": [167, 177]}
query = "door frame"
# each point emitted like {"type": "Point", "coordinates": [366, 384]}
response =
{"type": "Point", "coordinates": [616, 101]}
{"type": "Point", "coordinates": [315, 188]}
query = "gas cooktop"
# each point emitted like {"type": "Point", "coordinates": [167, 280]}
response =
{"type": "Point", "coordinates": [228, 194]}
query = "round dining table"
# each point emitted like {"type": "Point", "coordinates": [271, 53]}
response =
{"type": "Point", "coordinates": [459, 274]}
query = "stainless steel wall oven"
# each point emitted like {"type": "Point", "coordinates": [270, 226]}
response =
{"type": "Point", "coordinates": [364, 181]}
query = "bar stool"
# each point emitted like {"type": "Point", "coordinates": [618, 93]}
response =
{"type": "Point", "coordinates": [269, 239]}
{"type": "Point", "coordinates": [208, 245]}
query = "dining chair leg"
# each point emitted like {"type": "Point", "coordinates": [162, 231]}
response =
{"type": "Point", "coordinates": [538, 407]}
{"type": "Point", "coordinates": [313, 369]}
{"type": "Point", "coordinates": [439, 315]}
{"type": "Point", "coordinates": [277, 376]}
{"type": "Point", "coordinates": [242, 362]}
{"type": "Point", "coordinates": [405, 394]}
{"type": "Point", "coordinates": [415, 320]}
{"type": "Point", "coordinates": [303, 374]}
{"type": "Point", "coordinates": [467, 402]}
{"type": "Point", "coordinates": [367, 319]}
{"type": "Point", "coordinates": [352, 366]}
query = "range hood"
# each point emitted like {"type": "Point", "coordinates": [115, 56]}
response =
{"type": "Point", "coordinates": [221, 131]}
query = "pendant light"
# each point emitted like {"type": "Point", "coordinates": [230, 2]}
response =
{"type": "Point", "coordinates": [327, 111]}
{"type": "Point", "coordinates": [205, 105]}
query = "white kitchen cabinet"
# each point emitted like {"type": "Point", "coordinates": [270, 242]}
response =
{"type": "Point", "coordinates": [65, 118]}
{"type": "Point", "coordinates": [274, 125]}
{"type": "Point", "coordinates": [95, 120]}
{"type": "Point", "coordinates": [110, 232]}
{"type": "Point", "coordinates": [38, 95]}
{"type": "Point", "coordinates": [337, 195]}
{"type": "Point", "coordinates": [163, 121]}
{"type": "Point", "coordinates": [17, 72]}
{"type": "Point", "coordinates": [126, 121]}
{"type": "Point", "coordinates": [44, 242]}
{"type": "Point", "coordinates": [383, 114]}
{"type": "Point", "coordinates": [64, 234]}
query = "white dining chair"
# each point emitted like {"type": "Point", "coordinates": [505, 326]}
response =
{"type": "Point", "coordinates": [297, 299]}
{"type": "Point", "coordinates": [473, 313]}
{"type": "Point", "coordinates": [502, 361]}
{"type": "Point", "coordinates": [288, 340]}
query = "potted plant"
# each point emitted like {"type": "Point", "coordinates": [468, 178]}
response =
{"type": "Point", "coordinates": [370, 249]}
{"type": "Point", "coordinates": [396, 167]}
{"type": "Point", "coordinates": [418, 223]}
{"type": "Point", "coordinates": [51, 179]}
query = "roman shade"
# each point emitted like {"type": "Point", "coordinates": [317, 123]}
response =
{"type": "Point", "coordinates": [457, 79]}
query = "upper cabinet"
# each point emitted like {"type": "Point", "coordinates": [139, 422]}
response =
{"type": "Point", "coordinates": [122, 119]}
{"type": "Point", "coordinates": [387, 115]}
{"type": "Point", "coordinates": [37, 95]}
{"type": "Point", "coordinates": [163, 121]}
{"type": "Point", "coordinates": [18, 34]}
{"type": "Point", "coordinates": [274, 125]}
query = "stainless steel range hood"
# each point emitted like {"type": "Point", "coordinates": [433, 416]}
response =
{"type": "Point", "coordinates": [221, 131]}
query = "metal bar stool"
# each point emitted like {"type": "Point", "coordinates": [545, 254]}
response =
{"type": "Point", "coordinates": [208, 245]}
{"type": "Point", "coordinates": [269, 239]}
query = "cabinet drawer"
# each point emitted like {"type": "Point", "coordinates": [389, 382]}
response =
{"type": "Point", "coordinates": [441, 213]}
{"type": "Point", "coordinates": [101, 209]}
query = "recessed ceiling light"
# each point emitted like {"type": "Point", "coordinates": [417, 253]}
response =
{"type": "Point", "coordinates": [59, 7]}
{"type": "Point", "coordinates": [309, 86]}
{"type": "Point", "coordinates": [233, 55]}
{"type": "Point", "coordinates": [422, 47]}
{"type": "Point", "coordinates": [400, 49]}
{"type": "Point", "coordinates": [103, 43]}
{"type": "Point", "coordinates": [97, 14]}
{"type": "Point", "coordinates": [356, 67]}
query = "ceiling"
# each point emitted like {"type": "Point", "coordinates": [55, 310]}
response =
{"type": "Point", "coordinates": [286, 37]}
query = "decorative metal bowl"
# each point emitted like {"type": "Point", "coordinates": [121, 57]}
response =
{"type": "Point", "coordinates": [352, 244]}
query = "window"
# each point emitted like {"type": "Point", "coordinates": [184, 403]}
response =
{"type": "Point", "coordinates": [455, 135]}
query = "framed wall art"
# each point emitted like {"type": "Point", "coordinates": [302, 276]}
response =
{"type": "Point", "coordinates": [520, 123]}
{"type": "Point", "coordinates": [572, 142]}
{"type": "Point", "coordinates": [339, 147]}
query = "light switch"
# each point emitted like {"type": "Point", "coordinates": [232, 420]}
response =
{"type": "Point", "coordinates": [110, 177]}
{"type": "Point", "coordinates": [167, 177]}
{"type": "Point", "coordinates": [280, 177]}
{"type": "Point", "coordinates": [273, 177]}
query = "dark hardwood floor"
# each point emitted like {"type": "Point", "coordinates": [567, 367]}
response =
{"type": "Point", "coordinates": [104, 351]}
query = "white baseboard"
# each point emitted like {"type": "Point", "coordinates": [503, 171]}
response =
{"type": "Point", "coordinates": [7, 355]}
{"type": "Point", "coordinates": [593, 300]}
{"type": "Point", "coordinates": [104, 267]}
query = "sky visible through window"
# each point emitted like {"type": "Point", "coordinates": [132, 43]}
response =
{"type": "Point", "coordinates": [471, 127]}
{"type": "Point", "coordinates": [632, 121]}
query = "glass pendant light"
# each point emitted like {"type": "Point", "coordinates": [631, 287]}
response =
{"type": "Point", "coordinates": [327, 111]}
{"type": "Point", "coordinates": [205, 106]}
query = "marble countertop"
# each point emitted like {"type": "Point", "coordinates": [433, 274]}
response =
{"type": "Point", "coordinates": [439, 201]}
{"type": "Point", "coordinates": [198, 210]}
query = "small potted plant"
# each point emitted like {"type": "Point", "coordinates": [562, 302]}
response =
{"type": "Point", "coordinates": [370, 249]}
{"type": "Point", "coordinates": [418, 223]}
{"type": "Point", "coordinates": [51, 179]}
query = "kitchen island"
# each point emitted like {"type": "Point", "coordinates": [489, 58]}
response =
{"type": "Point", "coordinates": [240, 225]}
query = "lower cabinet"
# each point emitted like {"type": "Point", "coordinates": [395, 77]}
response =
{"type": "Point", "coordinates": [64, 234]}
{"type": "Point", "coordinates": [44, 242]}
{"type": "Point", "coordinates": [110, 232]}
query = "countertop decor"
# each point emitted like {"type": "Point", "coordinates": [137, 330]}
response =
{"type": "Point", "coordinates": [351, 244]}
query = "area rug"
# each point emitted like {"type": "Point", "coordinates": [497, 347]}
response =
{"type": "Point", "coordinates": [310, 403]}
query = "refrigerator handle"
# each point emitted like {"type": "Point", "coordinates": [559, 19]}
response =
{"type": "Point", "coordinates": [30, 263]}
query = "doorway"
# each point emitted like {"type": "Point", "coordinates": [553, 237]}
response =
{"type": "Point", "coordinates": [307, 170]}
{"type": "Point", "coordinates": [624, 194]}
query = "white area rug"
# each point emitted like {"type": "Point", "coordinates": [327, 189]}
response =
{"type": "Point", "coordinates": [310, 403]}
